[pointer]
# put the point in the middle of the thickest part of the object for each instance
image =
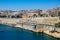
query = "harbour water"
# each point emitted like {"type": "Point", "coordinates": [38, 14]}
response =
{"type": "Point", "coordinates": [13, 33]}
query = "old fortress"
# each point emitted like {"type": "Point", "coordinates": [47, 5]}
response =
{"type": "Point", "coordinates": [36, 20]}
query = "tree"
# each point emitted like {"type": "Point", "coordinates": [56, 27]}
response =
{"type": "Point", "coordinates": [34, 15]}
{"type": "Point", "coordinates": [44, 15]}
{"type": "Point", "coordinates": [58, 13]}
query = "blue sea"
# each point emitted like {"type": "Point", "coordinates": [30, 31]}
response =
{"type": "Point", "coordinates": [13, 33]}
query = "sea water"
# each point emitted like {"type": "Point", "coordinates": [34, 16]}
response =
{"type": "Point", "coordinates": [13, 33]}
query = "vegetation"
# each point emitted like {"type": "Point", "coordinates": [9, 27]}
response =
{"type": "Point", "coordinates": [43, 15]}
{"type": "Point", "coordinates": [57, 24]}
{"type": "Point", "coordinates": [58, 13]}
{"type": "Point", "coordinates": [34, 15]}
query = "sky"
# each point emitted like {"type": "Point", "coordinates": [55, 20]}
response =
{"type": "Point", "coordinates": [28, 4]}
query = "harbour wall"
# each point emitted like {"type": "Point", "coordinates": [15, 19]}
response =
{"type": "Point", "coordinates": [38, 28]}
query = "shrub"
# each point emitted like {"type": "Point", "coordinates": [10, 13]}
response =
{"type": "Point", "coordinates": [57, 24]}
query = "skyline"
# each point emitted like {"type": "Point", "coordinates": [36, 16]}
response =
{"type": "Point", "coordinates": [28, 4]}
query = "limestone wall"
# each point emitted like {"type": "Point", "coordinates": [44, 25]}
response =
{"type": "Point", "coordinates": [47, 19]}
{"type": "Point", "coordinates": [57, 29]}
{"type": "Point", "coordinates": [44, 19]}
{"type": "Point", "coordinates": [8, 20]}
{"type": "Point", "coordinates": [27, 27]}
{"type": "Point", "coordinates": [40, 20]}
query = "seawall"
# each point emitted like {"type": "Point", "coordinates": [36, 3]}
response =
{"type": "Point", "coordinates": [38, 28]}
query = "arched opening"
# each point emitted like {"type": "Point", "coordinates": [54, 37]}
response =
{"type": "Point", "coordinates": [13, 16]}
{"type": "Point", "coordinates": [19, 16]}
{"type": "Point", "coordinates": [4, 16]}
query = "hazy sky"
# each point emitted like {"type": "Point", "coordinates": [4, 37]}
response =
{"type": "Point", "coordinates": [28, 4]}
